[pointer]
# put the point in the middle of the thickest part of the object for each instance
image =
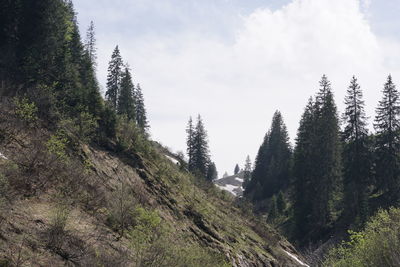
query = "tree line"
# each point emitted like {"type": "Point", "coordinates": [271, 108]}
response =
{"type": "Point", "coordinates": [332, 176]}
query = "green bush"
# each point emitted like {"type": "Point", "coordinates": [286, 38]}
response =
{"type": "Point", "coordinates": [26, 110]}
{"type": "Point", "coordinates": [83, 127]}
{"type": "Point", "coordinates": [377, 245]}
{"type": "Point", "coordinates": [57, 145]}
{"type": "Point", "coordinates": [154, 244]}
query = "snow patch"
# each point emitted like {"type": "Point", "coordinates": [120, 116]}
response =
{"type": "Point", "coordinates": [230, 188]}
{"type": "Point", "coordinates": [239, 179]}
{"type": "Point", "coordinates": [176, 162]}
{"type": "Point", "coordinates": [2, 156]}
{"type": "Point", "coordinates": [297, 259]}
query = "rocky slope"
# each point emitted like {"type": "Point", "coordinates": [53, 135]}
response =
{"type": "Point", "coordinates": [89, 180]}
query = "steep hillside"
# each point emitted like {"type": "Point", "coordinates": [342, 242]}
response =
{"type": "Point", "coordinates": [65, 202]}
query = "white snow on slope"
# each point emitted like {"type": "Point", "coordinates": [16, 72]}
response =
{"type": "Point", "coordinates": [172, 159]}
{"type": "Point", "coordinates": [297, 259]}
{"type": "Point", "coordinates": [2, 156]}
{"type": "Point", "coordinates": [239, 179]}
{"type": "Point", "coordinates": [230, 188]}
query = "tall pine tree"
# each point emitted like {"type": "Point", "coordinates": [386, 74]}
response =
{"type": "Point", "coordinates": [356, 155]}
{"type": "Point", "coordinates": [126, 104]}
{"type": "Point", "coordinates": [272, 168]}
{"type": "Point", "coordinates": [114, 78]}
{"type": "Point", "coordinates": [387, 125]}
{"type": "Point", "coordinates": [141, 115]}
{"type": "Point", "coordinates": [190, 143]}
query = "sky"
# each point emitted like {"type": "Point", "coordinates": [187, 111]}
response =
{"type": "Point", "coordinates": [236, 62]}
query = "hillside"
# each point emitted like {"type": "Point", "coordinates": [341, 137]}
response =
{"type": "Point", "coordinates": [65, 202]}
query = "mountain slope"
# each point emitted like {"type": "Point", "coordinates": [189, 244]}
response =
{"type": "Point", "coordinates": [61, 207]}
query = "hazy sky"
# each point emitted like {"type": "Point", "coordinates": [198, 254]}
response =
{"type": "Point", "coordinates": [237, 61]}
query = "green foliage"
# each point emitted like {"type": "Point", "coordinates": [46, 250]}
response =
{"type": "Point", "coordinates": [273, 209]}
{"type": "Point", "coordinates": [83, 127]}
{"type": "Point", "coordinates": [281, 202]}
{"type": "Point", "coordinates": [154, 244]}
{"type": "Point", "coordinates": [377, 245]}
{"type": "Point", "coordinates": [26, 110]}
{"type": "Point", "coordinates": [57, 145]}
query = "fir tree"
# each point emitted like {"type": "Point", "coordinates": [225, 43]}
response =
{"type": "Point", "coordinates": [281, 203]}
{"type": "Point", "coordinates": [388, 142]}
{"type": "Point", "coordinates": [201, 156]}
{"type": "Point", "coordinates": [273, 209]}
{"type": "Point", "coordinates": [212, 173]}
{"type": "Point", "coordinates": [247, 172]}
{"type": "Point", "coordinates": [236, 170]}
{"type": "Point", "coordinates": [90, 44]}
{"type": "Point", "coordinates": [317, 165]}
{"type": "Point", "coordinates": [114, 78]}
{"type": "Point", "coordinates": [126, 105]}
{"type": "Point", "coordinates": [356, 154]}
{"type": "Point", "coordinates": [190, 143]}
{"type": "Point", "coordinates": [273, 163]}
{"type": "Point", "coordinates": [141, 115]}
{"type": "Point", "coordinates": [302, 170]}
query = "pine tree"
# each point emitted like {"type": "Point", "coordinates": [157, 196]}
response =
{"type": "Point", "coordinates": [90, 44]}
{"type": "Point", "coordinates": [141, 115]}
{"type": "Point", "coordinates": [328, 157]}
{"type": "Point", "coordinates": [388, 142]}
{"type": "Point", "coordinates": [236, 170]}
{"type": "Point", "coordinates": [273, 209]}
{"type": "Point", "coordinates": [190, 143]}
{"type": "Point", "coordinates": [281, 203]}
{"type": "Point", "coordinates": [212, 173]}
{"type": "Point", "coordinates": [201, 156]}
{"type": "Point", "coordinates": [317, 165]}
{"type": "Point", "coordinates": [114, 78]}
{"type": "Point", "coordinates": [126, 105]}
{"type": "Point", "coordinates": [302, 170]}
{"type": "Point", "coordinates": [247, 172]}
{"type": "Point", "coordinates": [356, 154]}
{"type": "Point", "coordinates": [273, 163]}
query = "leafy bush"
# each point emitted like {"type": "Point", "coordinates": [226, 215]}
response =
{"type": "Point", "coordinates": [57, 145]}
{"type": "Point", "coordinates": [26, 110]}
{"type": "Point", "coordinates": [83, 127]}
{"type": "Point", "coordinates": [377, 245]}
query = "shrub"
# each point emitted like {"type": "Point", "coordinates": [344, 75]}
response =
{"type": "Point", "coordinates": [26, 110]}
{"type": "Point", "coordinates": [83, 127]}
{"type": "Point", "coordinates": [57, 229]}
{"type": "Point", "coordinates": [57, 145]}
{"type": "Point", "coordinates": [377, 245]}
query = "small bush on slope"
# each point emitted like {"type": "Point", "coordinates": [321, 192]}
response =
{"type": "Point", "coordinates": [377, 245]}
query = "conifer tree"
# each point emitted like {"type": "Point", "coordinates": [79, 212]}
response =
{"type": "Point", "coordinates": [114, 78]}
{"type": "Point", "coordinates": [302, 170]}
{"type": "Point", "coordinates": [201, 154]}
{"type": "Point", "coordinates": [356, 154]}
{"type": "Point", "coordinates": [190, 143]}
{"type": "Point", "coordinates": [281, 202]}
{"type": "Point", "coordinates": [90, 44]}
{"type": "Point", "coordinates": [236, 170]}
{"type": "Point", "coordinates": [388, 142]}
{"type": "Point", "coordinates": [317, 165]}
{"type": "Point", "coordinates": [212, 173]}
{"type": "Point", "coordinates": [141, 115]}
{"type": "Point", "coordinates": [126, 105]}
{"type": "Point", "coordinates": [273, 163]}
{"type": "Point", "coordinates": [247, 172]}
{"type": "Point", "coordinates": [273, 209]}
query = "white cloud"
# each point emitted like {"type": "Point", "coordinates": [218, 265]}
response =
{"type": "Point", "coordinates": [275, 62]}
